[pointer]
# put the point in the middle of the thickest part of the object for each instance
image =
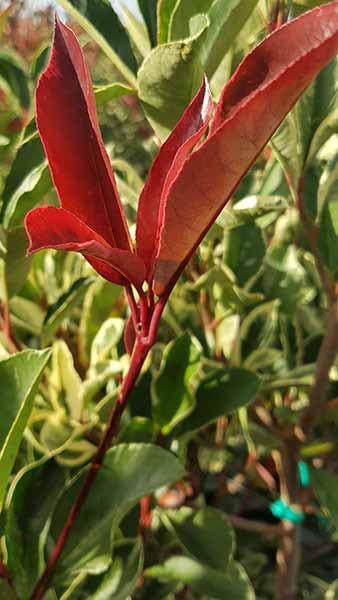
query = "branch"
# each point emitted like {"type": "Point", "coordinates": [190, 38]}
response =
{"type": "Point", "coordinates": [326, 357]}
{"type": "Point", "coordinates": [254, 526]}
{"type": "Point", "coordinates": [311, 234]}
{"type": "Point", "coordinates": [138, 357]}
{"type": "Point", "coordinates": [288, 552]}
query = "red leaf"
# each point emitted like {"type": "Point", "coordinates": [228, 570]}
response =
{"type": "Point", "coordinates": [50, 227]}
{"type": "Point", "coordinates": [165, 169]}
{"type": "Point", "coordinates": [68, 126]}
{"type": "Point", "coordinates": [259, 95]}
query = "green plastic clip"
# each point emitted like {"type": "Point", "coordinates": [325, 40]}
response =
{"type": "Point", "coordinates": [283, 511]}
{"type": "Point", "coordinates": [304, 474]}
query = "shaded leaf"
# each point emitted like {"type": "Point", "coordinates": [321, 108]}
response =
{"type": "Point", "coordinates": [12, 71]}
{"type": "Point", "coordinates": [15, 263]}
{"type": "Point", "coordinates": [63, 307]}
{"type": "Point", "coordinates": [328, 235]}
{"type": "Point", "coordinates": [221, 393]}
{"type": "Point", "coordinates": [31, 505]}
{"type": "Point", "coordinates": [98, 305]}
{"type": "Point", "coordinates": [148, 10]}
{"type": "Point", "coordinates": [205, 534]}
{"type": "Point", "coordinates": [100, 21]}
{"type": "Point", "coordinates": [172, 399]}
{"type": "Point", "coordinates": [324, 484]}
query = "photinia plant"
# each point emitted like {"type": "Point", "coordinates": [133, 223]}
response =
{"type": "Point", "coordinates": [194, 174]}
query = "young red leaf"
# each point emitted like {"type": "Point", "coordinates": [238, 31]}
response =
{"type": "Point", "coordinates": [165, 169]}
{"type": "Point", "coordinates": [257, 98]}
{"type": "Point", "coordinates": [50, 227]}
{"type": "Point", "coordinates": [67, 123]}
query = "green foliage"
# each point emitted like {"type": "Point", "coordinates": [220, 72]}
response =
{"type": "Point", "coordinates": [228, 382]}
{"type": "Point", "coordinates": [20, 375]}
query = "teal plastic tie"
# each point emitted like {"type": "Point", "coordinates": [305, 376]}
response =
{"type": "Point", "coordinates": [304, 474]}
{"type": "Point", "coordinates": [283, 511]}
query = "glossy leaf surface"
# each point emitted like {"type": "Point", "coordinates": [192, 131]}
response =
{"type": "Point", "coordinates": [50, 227]}
{"type": "Point", "coordinates": [130, 471]}
{"type": "Point", "coordinates": [79, 163]}
{"type": "Point", "coordinates": [261, 92]}
{"type": "Point", "coordinates": [165, 169]}
{"type": "Point", "coordinates": [16, 405]}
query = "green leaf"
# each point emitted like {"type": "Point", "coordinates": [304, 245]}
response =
{"type": "Point", "coordinates": [27, 195]}
{"type": "Point", "coordinates": [121, 578]}
{"type": "Point", "coordinates": [183, 11]}
{"type": "Point", "coordinates": [284, 276]}
{"type": "Point", "coordinates": [328, 235]}
{"type": "Point", "coordinates": [244, 251]}
{"type": "Point", "coordinates": [138, 430]}
{"type": "Point", "coordinates": [63, 307]}
{"type": "Point", "coordinates": [26, 315]}
{"type": "Point", "coordinates": [98, 305]}
{"type": "Point", "coordinates": [205, 535]}
{"type": "Point", "coordinates": [258, 204]}
{"type": "Point", "coordinates": [15, 264]}
{"type": "Point", "coordinates": [148, 10]}
{"type": "Point", "coordinates": [234, 584]}
{"type": "Point", "coordinates": [40, 62]}
{"type": "Point", "coordinates": [100, 21]}
{"type": "Point", "coordinates": [129, 472]}
{"type": "Point", "coordinates": [164, 12]}
{"type": "Point", "coordinates": [309, 125]}
{"type": "Point", "coordinates": [106, 340]}
{"type": "Point", "coordinates": [169, 78]}
{"type": "Point", "coordinates": [64, 381]}
{"type": "Point", "coordinates": [29, 155]}
{"type": "Point", "coordinates": [325, 485]}
{"type": "Point", "coordinates": [223, 392]}
{"type": "Point", "coordinates": [227, 18]}
{"type": "Point", "coordinates": [137, 32]}
{"type": "Point", "coordinates": [11, 70]}
{"type": "Point", "coordinates": [106, 93]}
{"type": "Point", "coordinates": [32, 502]}
{"type": "Point", "coordinates": [19, 376]}
{"type": "Point", "coordinates": [172, 399]}
{"type": "Point", "coordinates": [326, 129]}
{"type": "Point", "coordinates": [257, 330]}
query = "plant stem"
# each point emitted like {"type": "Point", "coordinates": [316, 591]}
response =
{"type": "Point", "coordinates": [254, 526]}
{"type": "Point", "coordinates": [288, 552]}
{"type": "Point", "coordinates": [326, 357]}
{"type": "Point", "coordinates": [311, 234]}
{"type": "Point", "coordinates": [141, 349]}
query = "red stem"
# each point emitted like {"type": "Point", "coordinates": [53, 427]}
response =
{"type": "Point", "coordinates": [140, 352]}
{"type": "Point", "coordinates": [144, 342]}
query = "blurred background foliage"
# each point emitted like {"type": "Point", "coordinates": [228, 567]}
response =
{"type": "Point", "coordinates": [228, 380]}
